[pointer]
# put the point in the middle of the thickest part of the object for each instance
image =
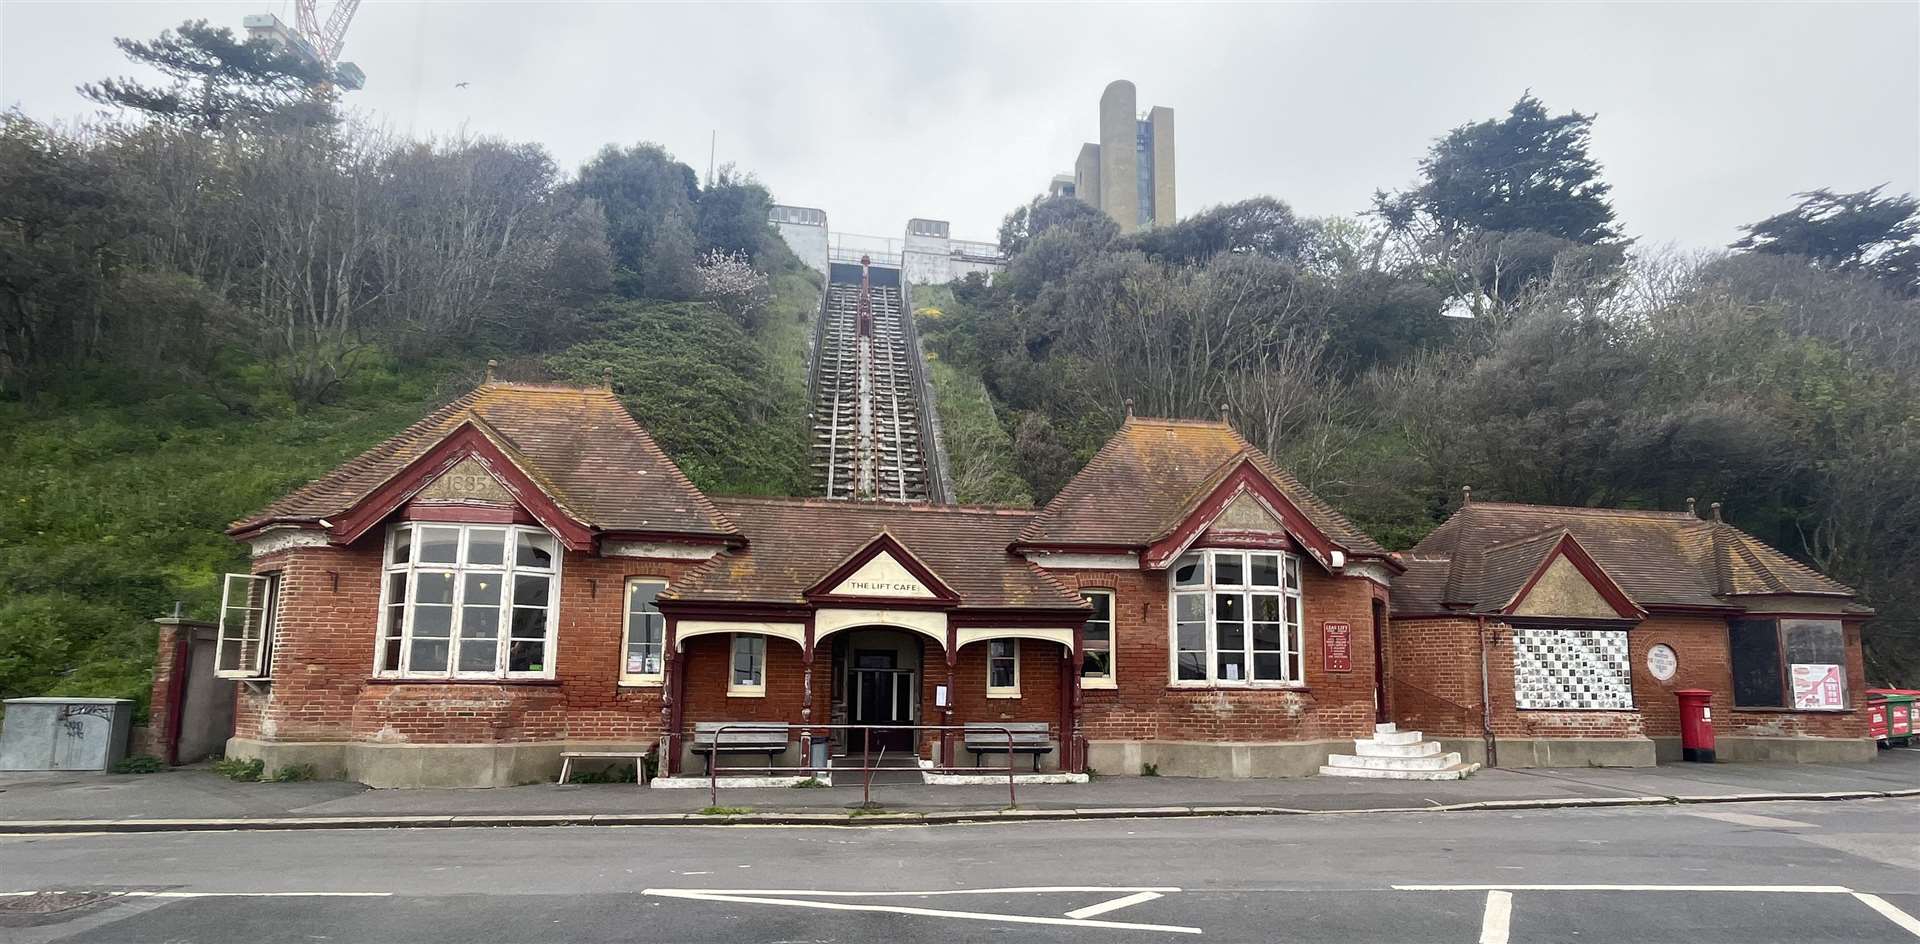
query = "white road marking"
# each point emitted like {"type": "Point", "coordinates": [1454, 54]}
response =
{"type": "Point", "coordinates": [1113, 905]}
{"type": "Point", "coordinates": [1751, 819]}
{"type": "Point", "coordinates": [756, 899]}
{"type": "Point", "coordinates": [1891, 911]}
{"type": "Point", "coordinates": [1795, 889]}
{"type": "Point", "coordinates": [1494, 923]}
{"type": "Point", "coordinates": [1010, 890]}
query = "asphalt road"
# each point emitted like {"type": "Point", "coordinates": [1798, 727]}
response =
{"type": "Point", "coordinates": [1735, 873]}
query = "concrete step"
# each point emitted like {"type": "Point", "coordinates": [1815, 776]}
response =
{"type": "Point", "coordinates": [1387, 728]}
{"type": "Point", "coordinates": [1369, 748]}
{"type": "Point", "coordinates": [1429, 762]}
{"type": "Point", "coordinates": [1399, 737]}
{"type": "Point", "coordinates": [1456, 772]}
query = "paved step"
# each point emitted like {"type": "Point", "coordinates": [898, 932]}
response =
{"type": "Point", "coordinates": [1434, 761]}
{"type": "Point", "coordinates": [1455, 772]}
{"type": "Point", "coordinates": [1388, 728]}
{"type": "Point", "coordinates": [1399, 737]}
{"type": "Point", "coordinates": [1368, 748]}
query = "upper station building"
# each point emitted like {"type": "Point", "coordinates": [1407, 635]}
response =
{"type": "Point", "coordinates": [525, 572]}
{"type": "Point", "coordinates": [1130, 172]}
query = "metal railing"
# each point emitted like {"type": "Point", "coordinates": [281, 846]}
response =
{"type": "Point", "coordinates": [868, 763]}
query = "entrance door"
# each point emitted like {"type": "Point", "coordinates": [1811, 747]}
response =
{"type": "Point", "coordinates": [881, 694]}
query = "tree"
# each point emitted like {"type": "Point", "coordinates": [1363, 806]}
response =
{"type": "Point", "coordinates": [220, 83]}
{"type": "Point", "coordinates": [1026, 223]}
{"type": "Point", "coordinates": [649, 199]}
{"type": "Point", "coordinates": [1262, 225]}
{"type": "Point", "coordinates": [1847, 232]}
{"type": "Point", "coordinates": [1528, 171]}
{"type": "Point", "coordinates": [732, 215]}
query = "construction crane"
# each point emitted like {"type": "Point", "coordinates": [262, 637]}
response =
{"type": "Point", "coordinates": [312, 41]}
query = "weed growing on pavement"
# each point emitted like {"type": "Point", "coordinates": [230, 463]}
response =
{"type": "Point", "coordinates": [1149, 770]}
{"type": "Point", "coordinates": [244, 771]}
{"type": "Point", "coordinates": [139, 764]}
{"type": "Point", "coordinates": [726, 810]}
{"type": "Point", "coordinates": [293, 773]}
{"type": "Point", "coordinates": [619, 773]}
{"type": "Point", "coordinates": [809, 783]}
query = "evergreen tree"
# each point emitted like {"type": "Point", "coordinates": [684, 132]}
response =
{"type": "Point", "coordinates": [219, 82]}
{"type": "Point", "coordinates": [1847, 232]}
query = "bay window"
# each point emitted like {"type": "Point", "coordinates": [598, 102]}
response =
{"type": "Point", "coordinates": [645, 644]}
{"type": "Point", "coordinates": [1235, 618]}
{"type": "Point", "coordinates": [1096, 641]}
{"type": "Point", "coordinates": [468, 601]}
{"type": "Point", "coordinates": [1003, 668]}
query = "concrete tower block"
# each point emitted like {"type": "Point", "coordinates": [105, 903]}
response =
{"type": "Point", "coordinates": [1119, 167]}
{"type": "Point", "coordinates": [1086, 174]}
{"type": "Point", "coordinates": [1161, 120]}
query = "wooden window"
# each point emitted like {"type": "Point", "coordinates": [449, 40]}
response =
{"type": "Point", "coordinates": [644, 646]}
{"type": "Point", "coordinates": [1788, 663]}
{"type": "Point", "coordinates": [748, 678]}
{"type": "Point", "coordinates": [244, 647]}
{"type": "Point", "coordinates": [1003, 668]}
{"type": "Point", "coordinates": [1097, 641]}
{"type": "Point", "coordinates": [468, 601]}
{"type": "Point", "coordinates": [1235, 619]}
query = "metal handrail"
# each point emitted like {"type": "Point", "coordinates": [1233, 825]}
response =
{"type": "Point", "coordinates": [866, 762]}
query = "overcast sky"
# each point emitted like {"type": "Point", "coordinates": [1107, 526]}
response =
{"type": "Point", "coordinates": [1709, 115]}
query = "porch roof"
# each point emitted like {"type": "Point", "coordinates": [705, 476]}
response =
{"type": "Point", "coordinates": [792, 543]}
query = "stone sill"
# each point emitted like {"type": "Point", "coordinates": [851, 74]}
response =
{"type": "Point", "coordinates": [1793, 711]}
{"type": "Point", "coordinates": [528, 682]}
{"type": "Point", "coordinates": [1268, 687]}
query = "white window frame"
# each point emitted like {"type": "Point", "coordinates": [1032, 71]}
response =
{"type": "Point", "coordinates": [238, 622]}
{"type": "Point", "coordinates": [1003, 691]}
{"type": "Point", "coordinates": [507, 570]}
{"type": "Point", "coordinates": [1112, 678]}
{"type": "Point", "coordinates": [1292, 615]}
{"type": "Point", "coordinates": [736, 689]}
{"type": "Point", "coordinates": [648, 679]}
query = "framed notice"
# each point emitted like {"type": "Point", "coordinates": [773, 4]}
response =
{"type": "Point", "coordinates": [1817, 686]}
{"type": "Point", "coordinates": [1336, 646]}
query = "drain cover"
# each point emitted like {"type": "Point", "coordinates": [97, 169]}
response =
{"type": "Point", "coordinates": [50, 902]}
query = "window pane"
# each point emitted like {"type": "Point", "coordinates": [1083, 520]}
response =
{"type": "Point", "coordinates": [1293, 572]}
{"type": "Point", "coordinates": [533, 550]}
{"type": "Point", "coordinates": [1189, 607]}
{"type": "Point", "coordinates": [482, 589]}
{"type": "Point", "coordinates": [530, 590]}
{"type": "Point", "coordinates": [402, 546]}
{"type": "Point", "coordinates": [1229, 607]}
{"type": "Point", "coordinates": [1293, 611]}
{"type": "Point", "coordinates": [1232, 667]}
{"type": "Point", "coordinates": [1229, 570]}
{"type": "Point", "coordinates": [1266, 570]}
{"type": "Point", "coordinates": [1190, 635]}
{"type": "Point", "coordinates": [527, 655]}
{"type": "Point", "coordinates": [433, 587]}
{"type": "Point", "coordinates": [1229, 636]}
{"type": "Point", "coordinates": [1266, 636]}
{"type": "Point", "coordinates": [1193, 666]}
{"type": "Point", "coordinates": [1095, 634]}
{"type": "Point", "coordinates": [477, 655]}
{"type": "Point", "coordinates": [1815, 642]}
{"type": "Point", "coordinates": [390, 655]}
{"type": "Point", "coordinates": [1102, 605]}
{"type": "Point", "coordinates": [436, 621]}
{"type": "Point", "coordinates": [642, 597]}
{"type": "Point", "coordinates": [1189, 572]}
{"type": "Point", "coordinates": [749, 660]}
{"type": "Point", "coordinates": [529, 623]}
{"type": "Point", "coordinates": [1096, 663]}
{"type": "Point", "coordinates": [1756, 663]}
{"type": "Point", "coordinates": [429, 655]}
{"type": "Point", "coordinates": [1266, 667]}
{"type": "Point", "coordinates": [438, 545]}
{"type": "Point", "coordinates": [486, 547]}
{"type": "Point", "coordinates": [1266, 607]}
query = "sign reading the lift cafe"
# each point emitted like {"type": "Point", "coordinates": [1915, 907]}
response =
{"type": "Point", "coordinates": [1336, 646]}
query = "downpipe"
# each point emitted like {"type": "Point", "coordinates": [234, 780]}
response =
{"type": "Point", "coordinates": [1486, 698]}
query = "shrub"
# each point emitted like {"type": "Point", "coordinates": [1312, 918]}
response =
{"type": "Point", "coordinates": [243, 771]}
{"type": "Point", "coordinates": [139, 764]}
{"type": "Point", "coordinates": [294, 773]}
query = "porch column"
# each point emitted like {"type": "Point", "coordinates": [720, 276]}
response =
{"type": "Point", "coordinates": [669, 700]}
{"type": "Point", "coordinates": [1067, 692]}
{"type": "Point", "coordinates": [806, 697]}
{"type": "Point", "coordinates": [953, 695]}
{"type": "Point", "coordinates": [1074, 661]}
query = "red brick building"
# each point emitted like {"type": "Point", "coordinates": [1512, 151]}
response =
{"type": "Point", "coordinates": [524, 572]}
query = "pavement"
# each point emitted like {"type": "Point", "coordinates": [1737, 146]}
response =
{"type": "Point", "coordinates": [196, 798]}
{"type": "Point", "coordinates": [1725, 873]}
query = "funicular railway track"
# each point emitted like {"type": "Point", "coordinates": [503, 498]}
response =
{"type": "Point", "coordinates": [871, 435]}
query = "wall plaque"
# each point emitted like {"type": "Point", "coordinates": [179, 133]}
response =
{"type": "Point", "coordinates": [1336, 646]}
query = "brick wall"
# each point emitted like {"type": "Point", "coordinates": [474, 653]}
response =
{"type": "Point", "coordinates": [1144, 707]}
{"type": "Point", "coordinates": [323, 687]}
{"type": "Point", "coordinates": [1436, 685]}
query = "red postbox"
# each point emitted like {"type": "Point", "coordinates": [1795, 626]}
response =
{"type": "Point", "coordinates": [1696, 724]}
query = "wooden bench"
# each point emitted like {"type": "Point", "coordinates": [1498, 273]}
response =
{"type": "Point", "coordinates": [639, 759]}
{"type": "Point", "coordinates": [1029, 737]}
{"type": "Point", "coordinates": [740, 737]}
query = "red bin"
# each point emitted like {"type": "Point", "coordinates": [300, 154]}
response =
{"type": "Point", "coordinates": [1696, 724]}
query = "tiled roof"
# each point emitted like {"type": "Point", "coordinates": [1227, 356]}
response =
{"type": "Point", "coordinates": [580, 445]}
{"type": "Point", "coordinates": [1151, 474]}
{"type": "Point", "coordinates": [792, 543]}
{"type": "Point", "coordinates": [1481, 555]}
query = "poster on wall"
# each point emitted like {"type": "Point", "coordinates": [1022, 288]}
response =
{"type": "Point", "coordinates": [1336, 646]}
{"type": "Point", "coordinates": [1817, 685]}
